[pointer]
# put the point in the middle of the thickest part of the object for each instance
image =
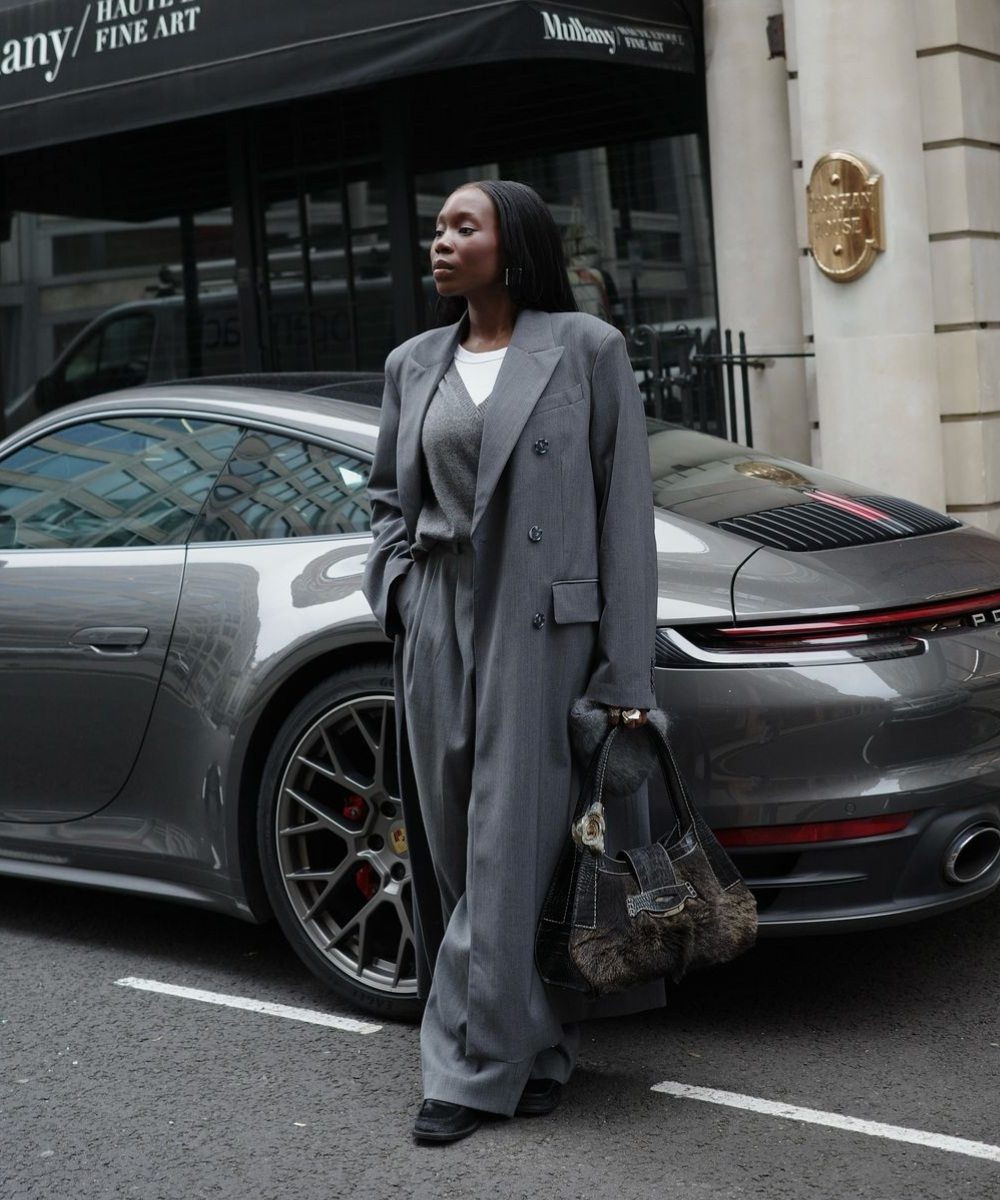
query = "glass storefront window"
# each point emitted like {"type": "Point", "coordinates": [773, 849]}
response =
{"type": "Point", "coordinates": [140, 285]}
{"type": "Point", "coordinates": [89, 306]}
{"type": "Point", "coordinates": [114, 250]}
{"type": "Point", "coordinates": [634, 220]}
{"type": "Point", "coordinates": [328, 279]}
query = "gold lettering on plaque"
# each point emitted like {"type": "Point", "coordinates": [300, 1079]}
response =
{"type": "Point", "coordinates": [844, 204]}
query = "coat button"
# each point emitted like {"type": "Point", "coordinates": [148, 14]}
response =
{"type": "Point", "coordinates": [538, 620]}
{"type": "Point", "coordinates": [542, 446]}
{"type": "Point", "coordinates": [535, 533]}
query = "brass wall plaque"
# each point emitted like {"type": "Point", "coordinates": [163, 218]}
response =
{"type": "Point", "coordinates": [846, 231]}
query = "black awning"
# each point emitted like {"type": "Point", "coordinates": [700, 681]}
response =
{"type": "Point", "coordinates": [72, 69]}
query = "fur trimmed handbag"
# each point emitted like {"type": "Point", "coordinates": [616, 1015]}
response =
{"type": "Point", "coordinates": [655, 912]}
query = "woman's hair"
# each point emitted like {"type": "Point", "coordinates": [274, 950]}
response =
{"type": "Point", "coordinates": [529, 241]}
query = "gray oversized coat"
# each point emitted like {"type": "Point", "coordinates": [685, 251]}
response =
{"type": "Point", "coordinates": [564, 601]}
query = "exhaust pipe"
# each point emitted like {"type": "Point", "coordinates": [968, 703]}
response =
{"type": "Point", "coordinates": [972, 854]}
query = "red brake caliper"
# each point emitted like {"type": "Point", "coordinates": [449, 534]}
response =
{"type": "Point", "coordinates": [364, 876]}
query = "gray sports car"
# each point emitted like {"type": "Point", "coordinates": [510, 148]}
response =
{"type": "Point", "coordinates": [196, 702]}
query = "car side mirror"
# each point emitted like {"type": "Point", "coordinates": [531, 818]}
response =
{"type": "Point", "coordinates": [8, 531]}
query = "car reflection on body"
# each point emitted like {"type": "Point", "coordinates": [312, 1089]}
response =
{"type": "Point", "coordinates": [197, 703]}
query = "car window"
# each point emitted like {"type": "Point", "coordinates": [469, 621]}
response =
{"type": "Point", "coordinates": [281, 487]}
{"type": "Point", "coordinates": [82, 367]}
{"type": "Point", "coordinates": [114, 356]}
{"type": "Point", "coordinates": [127, 481]}
{"type": "Point", "coordinates": [126, 346]}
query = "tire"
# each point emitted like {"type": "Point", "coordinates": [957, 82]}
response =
{"type": "Point", "coordinates": [332, 843]}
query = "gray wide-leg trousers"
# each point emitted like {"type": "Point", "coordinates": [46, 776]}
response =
{"type": "Point", "coordinates": [439, 687]}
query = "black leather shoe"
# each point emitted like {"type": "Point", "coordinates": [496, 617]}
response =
{"type": "Point", "coordinates": [439, 1121]}
{"type": "Point", "coordinates": [540, 1096]}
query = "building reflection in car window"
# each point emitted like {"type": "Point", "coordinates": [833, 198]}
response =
{"type": "Point", "coordinates": [278, 487]}
{"type": "Point", "coordinates": [127, 481]}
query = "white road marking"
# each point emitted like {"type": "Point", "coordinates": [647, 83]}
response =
{"type": "Point", "coordinates": [348, 1024]}
{"type": "Point", "coordinates": [813, 1116]}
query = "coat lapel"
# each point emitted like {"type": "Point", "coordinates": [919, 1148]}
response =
{"type": "Point", "coordinates": [424, 370]}
{"type": "Point", "coordinates": [527, 367]}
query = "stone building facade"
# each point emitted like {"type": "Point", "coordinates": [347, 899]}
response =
{"type": "Point", "coordinates": [902, 391]}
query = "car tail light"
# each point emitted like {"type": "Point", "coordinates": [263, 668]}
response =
{"type": "Point", "coordinates": [798, 636]}
{"type": "Point", "coordinates": [893, 633]}
{"type": "Point", "coordinates": [971, 611]}
{"type": "Point", "coordinates": [700, 646]}
{"type": "Point", "coordinates": [812, 832]}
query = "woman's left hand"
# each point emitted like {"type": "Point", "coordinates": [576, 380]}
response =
{"type": "Point", "coordinates": [628, 718]}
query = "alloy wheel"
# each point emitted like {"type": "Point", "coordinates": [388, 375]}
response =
{"type": "Point", "coordinates": [341, 845]}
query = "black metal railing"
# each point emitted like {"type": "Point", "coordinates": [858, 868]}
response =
{"type": "Point", "coordinates": [687, 377]}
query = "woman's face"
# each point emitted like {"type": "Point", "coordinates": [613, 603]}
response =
{"type": "Point", "coordinates": [466, 253]}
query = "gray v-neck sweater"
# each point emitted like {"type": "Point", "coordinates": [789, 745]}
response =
{"type": "Point", "coordinates": [451, 438]}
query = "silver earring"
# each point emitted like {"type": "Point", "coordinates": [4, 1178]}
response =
{"type": "Point", "coordinates": [512, 276]}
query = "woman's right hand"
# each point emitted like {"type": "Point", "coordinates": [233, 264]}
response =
{"type": "Point", "coordinates": [404, 593]}
{"type": "Point", "coordinates": [628, 718]}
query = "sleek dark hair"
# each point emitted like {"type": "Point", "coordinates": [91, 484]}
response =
{"type": "Point", "coordinates": [530, 241]}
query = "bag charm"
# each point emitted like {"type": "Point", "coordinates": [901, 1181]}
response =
{"type": "Point", "coordinates": [589, 830]}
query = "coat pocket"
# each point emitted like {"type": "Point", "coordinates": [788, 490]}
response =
{"type": "Point", "coordinates": [576, 600]}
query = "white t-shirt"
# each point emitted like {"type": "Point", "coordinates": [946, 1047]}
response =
{"type": "Point", "coordinates": [479, 371]}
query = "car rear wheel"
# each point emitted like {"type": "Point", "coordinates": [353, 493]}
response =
{"type": "Point", "coordinates": [333, 845]}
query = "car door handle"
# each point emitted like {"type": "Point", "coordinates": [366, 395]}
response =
{"type": "Point", "coordinates": [111, 637]}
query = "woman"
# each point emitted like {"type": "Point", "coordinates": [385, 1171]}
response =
{"type": "Point", "coordinates": [514, 564]}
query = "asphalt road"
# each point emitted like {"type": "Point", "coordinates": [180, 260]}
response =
{"type": "Point", "coordinates": [110, 1092]}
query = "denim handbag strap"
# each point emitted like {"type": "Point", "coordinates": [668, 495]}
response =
{"type": "Point", "coordinates": [593, 779]}
{"type": "Point", "coordinates": [689, 821]}
{"type": "Point", "coordinates": [689, 818]}
{"type": "Point", "coordinates": [681, 807]}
